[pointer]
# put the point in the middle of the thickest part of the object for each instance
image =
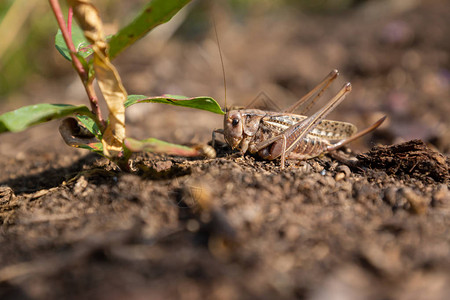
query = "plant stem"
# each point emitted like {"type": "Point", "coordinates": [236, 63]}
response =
{"type": "Point", "coordinates": [94, 103]}
{"type": "Point", "coordinates": [69, 20]}
{"type": "Point", "coordinates": [68, 39]}
{"type": "Point", "coordinates": [66, 32]}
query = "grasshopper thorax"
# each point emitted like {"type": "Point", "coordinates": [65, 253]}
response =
{"type": "Point", "coordinates": [233, 128]}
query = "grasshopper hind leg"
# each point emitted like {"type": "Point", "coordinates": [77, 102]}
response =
{"type": "Point", "coordinates": [356, 136]}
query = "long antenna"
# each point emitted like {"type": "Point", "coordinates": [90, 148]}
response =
{"type": "Point", "coordinates": [221, 61]}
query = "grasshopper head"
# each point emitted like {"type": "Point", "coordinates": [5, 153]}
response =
{"type": "Point", "coordinates": [233, 128]}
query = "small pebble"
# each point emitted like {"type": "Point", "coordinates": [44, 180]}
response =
{"type": "Point", "coordinates": [192, 225]}
{"type": "Point", "coordinates": [419, 204]}
{"type": "Point", "coordinates": [342, 172]}
{"type": "Point", "coordinates": [161, 166]}
{"type": "Point", "coordinates": [80, 186]}
{"type": "Point", "coordinates": [339, 176]}
{"type": "Point", "coordinates": [344, 169]}
{"type": "Point", "coordinates": [441, 197]}
{"type": "Point", "coordinates": [390, 196]}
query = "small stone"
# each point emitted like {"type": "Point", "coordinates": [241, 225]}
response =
{"type": "Point", "coordinates": [339, 176]}
{"type": "Point", "coordinates": [163, 165]}
{"type": "Point", "coordinates": [21, 156]}
{"type": "Point", "coordinates": [418, 203]}
{"type": "Point", "coordinates": [441, 197]}
{"type": "Point", "coordinates": [292, 232]}
{"type": "Point", "coordinates": [192, 225]}
{"type": "Point", "coordinates": [344, 169]}
{"type": "Point", "coordinates": [80, 185]}
{"type": "Point", "coordinates": [390, 196]}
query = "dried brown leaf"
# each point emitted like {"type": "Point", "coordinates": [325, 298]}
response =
{"type": "Point", "coordinates": [107, 76]}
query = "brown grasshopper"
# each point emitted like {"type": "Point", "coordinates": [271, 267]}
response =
{"type": "Point", "coordinates": [287, 135]}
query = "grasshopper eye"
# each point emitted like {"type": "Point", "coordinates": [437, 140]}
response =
{"type": "Point", "coordinates": [234, 122]}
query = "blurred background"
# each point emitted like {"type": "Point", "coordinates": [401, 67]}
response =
{"type": "Point", "coordinates": [395, 53]}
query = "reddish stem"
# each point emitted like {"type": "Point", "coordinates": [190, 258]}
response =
{"type": "Point", "coordinates": [66, 32]}
{"type": "Point", "coordinates": [69, 20]}
{"type": "Point", "coordinates": [68, 39]}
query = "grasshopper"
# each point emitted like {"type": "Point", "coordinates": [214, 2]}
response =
{"type": "Point", "coordinates": [290, 136]}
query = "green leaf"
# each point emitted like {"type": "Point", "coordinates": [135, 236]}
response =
{"type": "Point", "coordinates": [81, 44]}
{"type": "Point", "coordinates": [90, 125]}
{"type": "Point", "coordinates": [24, 117]}
{"type": "Point", "coordinates": [156, 12]}
{"type": "Point", "coordinates": [204, 103]}
{"type": "Point", "coordinates": [158, 146]}
{"type": "Point", "coordinates": [94, 147]}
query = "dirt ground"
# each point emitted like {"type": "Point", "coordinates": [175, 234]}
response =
{"type": "Point", "coordinates": [374, 225]}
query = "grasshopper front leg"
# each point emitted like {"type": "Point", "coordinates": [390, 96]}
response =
{"type": "Point", "coordinates": [243, 145]}
{"type": "Point", "coordinates": [213, 141]}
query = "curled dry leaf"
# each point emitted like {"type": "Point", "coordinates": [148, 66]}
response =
{"type": "Point", "coordinates": [115, 96]}
{"type": "Point", "coordinates": [107, 76]}
{"type": "Point", "coordinates": [76, 136]}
